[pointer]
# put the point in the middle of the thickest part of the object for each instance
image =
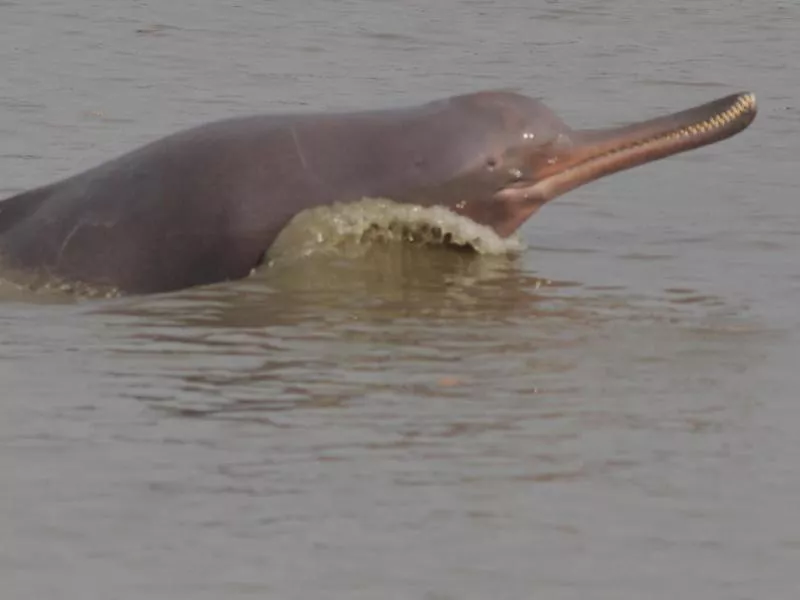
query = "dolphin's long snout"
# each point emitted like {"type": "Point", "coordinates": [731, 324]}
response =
{"type": "Point", "coordinates": [597, 153]}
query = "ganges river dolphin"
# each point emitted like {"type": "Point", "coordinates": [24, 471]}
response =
{"type": "Point", "coordinates": [205, 204]}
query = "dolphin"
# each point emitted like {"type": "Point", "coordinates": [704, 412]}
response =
{"type": "Point", "coordinates": [204, 205]}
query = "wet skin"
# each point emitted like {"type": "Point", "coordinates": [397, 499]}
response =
{"type": "Point", "coordinates": [204, 205]}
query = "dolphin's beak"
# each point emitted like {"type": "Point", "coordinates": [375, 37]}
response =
{"type": "Point", "coordinates": [597, 153]}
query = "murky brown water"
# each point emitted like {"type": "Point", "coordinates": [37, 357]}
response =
{"type": "Point", "coordinates": [612, 413]}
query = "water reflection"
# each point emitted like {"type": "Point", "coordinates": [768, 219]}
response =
{"type": "Point", "coordinates": [329, 329]}
{"type": "Point", "coordinates": [389, 282]}
{"type": "Point", "coordinates": [401, 323]}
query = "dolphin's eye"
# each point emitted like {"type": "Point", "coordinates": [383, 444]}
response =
{"type": "Point", "coordinates": [491, 162]}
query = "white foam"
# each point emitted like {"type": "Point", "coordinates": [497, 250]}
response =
{"type": "Point", "coordinates": [352, 227]}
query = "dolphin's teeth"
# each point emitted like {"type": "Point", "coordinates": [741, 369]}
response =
{"type": "Point", "coordinates": [745, 103]}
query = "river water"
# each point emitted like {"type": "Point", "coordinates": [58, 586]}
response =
{"type": "Point", "coordinates": [612, 413]}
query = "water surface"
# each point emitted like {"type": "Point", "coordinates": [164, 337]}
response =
{"type": "Point", "coordinates": [611, 413]}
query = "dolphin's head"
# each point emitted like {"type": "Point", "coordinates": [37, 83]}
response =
{"type": "Point", "coordinates": [527, 156]}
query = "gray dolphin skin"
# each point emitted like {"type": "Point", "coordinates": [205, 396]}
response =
{"type": "Point", "coordinates": [203, 205]}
